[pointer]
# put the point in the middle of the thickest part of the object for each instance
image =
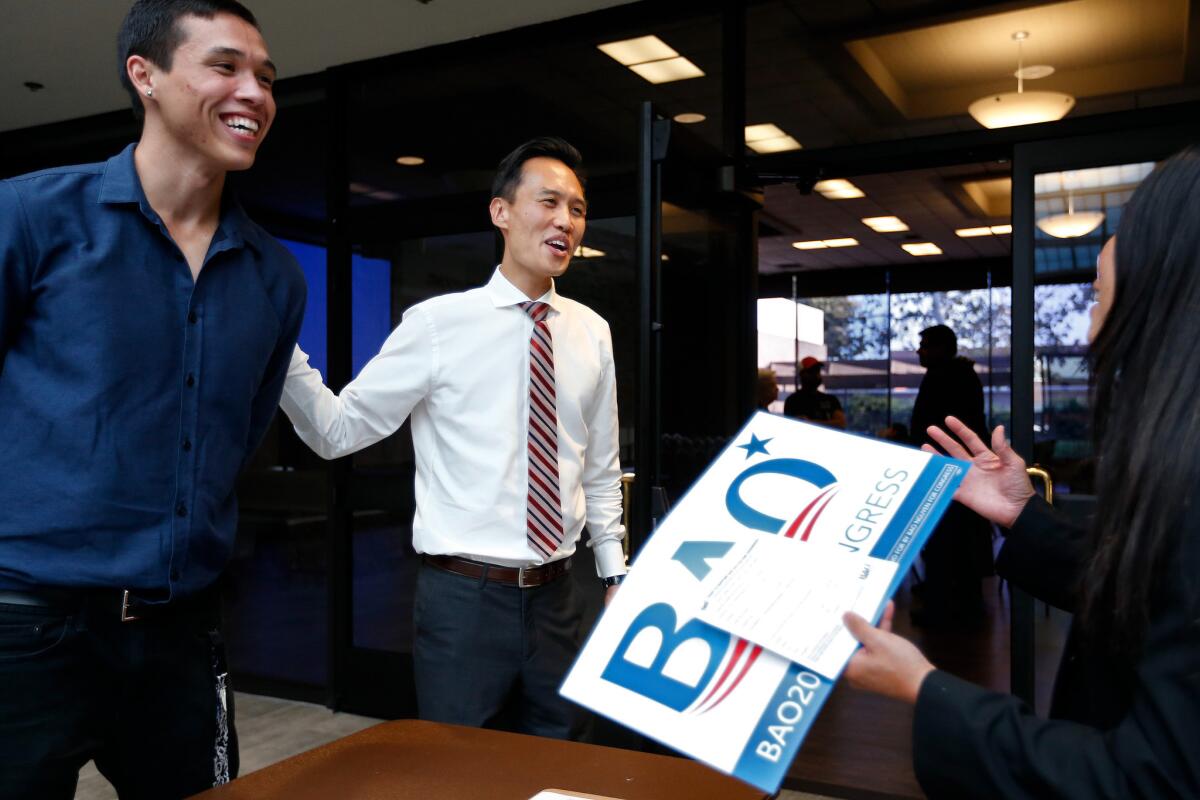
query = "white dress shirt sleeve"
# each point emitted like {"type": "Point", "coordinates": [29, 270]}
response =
{"type": "Point", "coordinates": [372, 406]}
{"type": "Point", "coordinates": [602, 471]}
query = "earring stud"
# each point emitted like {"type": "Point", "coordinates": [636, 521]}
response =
{"type": "Point", "coordinates": [149, 93]}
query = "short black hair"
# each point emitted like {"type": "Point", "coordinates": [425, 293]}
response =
{"type": "Point", "coordinates": [151, 29]}
{"type": "Point", "coordinates": [941, 335]}
{"type": "Point", "coordinates": [508, 174]}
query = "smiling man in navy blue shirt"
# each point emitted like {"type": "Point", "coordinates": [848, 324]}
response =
{"type": "Point", "coordinates": [145, 330]}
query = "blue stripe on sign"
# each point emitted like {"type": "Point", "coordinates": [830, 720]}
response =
{"type": "Point", "coordinates": [924, 504]}
{"type": "Point", "coordinates": [776, 738]}
{"type": "Point", "coordinates": [917, 516]}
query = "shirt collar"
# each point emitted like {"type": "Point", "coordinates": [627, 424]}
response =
{"type": "Point", "coordinates": [503, 293]}
{"type": "Point", "coordinates": [121, 185]}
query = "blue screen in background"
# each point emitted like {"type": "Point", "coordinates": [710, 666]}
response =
{"type": "Point", "coordinates": [371, 306]}
{"type": "Point", "coordinates": [312, 330]}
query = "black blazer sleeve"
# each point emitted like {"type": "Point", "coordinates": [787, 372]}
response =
{"type": "Point", "coordinates": [971, 742]}
{"type": "Point", "coordinates": [1044, 554]}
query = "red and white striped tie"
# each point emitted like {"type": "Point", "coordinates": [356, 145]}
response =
{"type": "Point", "coordinates": [543, 518]}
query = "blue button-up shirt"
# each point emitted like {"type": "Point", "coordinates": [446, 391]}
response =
{"type": "Point", "coordinates": [130, 395]}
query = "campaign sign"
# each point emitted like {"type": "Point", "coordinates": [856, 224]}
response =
{"type": "Point", "coordinates": [651, 665]}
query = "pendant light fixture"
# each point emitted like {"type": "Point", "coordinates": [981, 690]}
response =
{"type": "Point", "coordinates": [1021, 107]}
{"type": "Point", "coordinates": [1071, 225]}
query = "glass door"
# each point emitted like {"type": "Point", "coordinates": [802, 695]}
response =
{"type": "Point", "coordinates": [1067, 201]}
{"type": "Point", "coordinates": [697, 274]}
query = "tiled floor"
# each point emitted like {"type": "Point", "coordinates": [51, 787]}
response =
{"type": "Point", "coordinates": [270, 730]}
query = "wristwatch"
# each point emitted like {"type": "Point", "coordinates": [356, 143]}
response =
{"type": "Point", "coordinates": [612, 580]}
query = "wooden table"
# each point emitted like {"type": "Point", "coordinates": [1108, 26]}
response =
{"type": "Point", "coordinates": [432, 761]}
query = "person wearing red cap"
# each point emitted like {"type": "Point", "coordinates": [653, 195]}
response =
{"type": "Point", "coordinates": [809, 403]}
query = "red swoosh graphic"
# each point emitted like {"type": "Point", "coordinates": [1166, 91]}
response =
{"type": "Point", "coordinates": [791, 531]}
{"type": "Point", "coordinates": [737, 651]}
{"type": "Point", "coordinates": [754, 654]}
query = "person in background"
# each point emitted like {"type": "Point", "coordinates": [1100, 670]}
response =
{"type": "Point", "coordinates": [145, 330]}
{"type": "Point", "coordinates": [959, 553]}
{"type": "Point", "coordinates": [512, 392]}
{"type": "Point", "coordinates": [809, 403]}
{"type": "Point", "coordinates": [1125, 713]}
{"type": "Point", "coordinates": [767, 391]}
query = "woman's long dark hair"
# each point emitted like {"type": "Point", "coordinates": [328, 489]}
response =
{"type": "Point", "coordinates": [1146, 405]}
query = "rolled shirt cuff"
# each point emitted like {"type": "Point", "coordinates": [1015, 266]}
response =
{"type": "Point", "coordinates": [610, 558]}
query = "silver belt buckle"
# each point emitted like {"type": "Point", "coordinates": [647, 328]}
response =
{"type": "Point", "coordinates": [125, 615]}
{"type": "Point", "coordinates": [521, 584]}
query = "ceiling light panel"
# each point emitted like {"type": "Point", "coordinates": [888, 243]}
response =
{"type": "Point", "coordinates": [922, 249]}
{"type": "Point", "coordinates": [671, 69]}
{"type": "Point", "coordinates": [689, 118]}
{"type": "Point", "coordinates": [638, 51]}
{"type": "Point", "coordinates": [838, 189]}
{"type": "Point", "coordinates": [780, 144]}
{"type": "Point", "coordinates": [986, 230]}
{"type": "Point", "coordinates": [821, 244]}
{"type": "Point", "coordinates": [767, 130]}
{"type": "Point", "coordinates": [885, 224]}
{"type": "Point", "coordinates": [767, 137]}
{"type": "Point", "coordinates": [652, 59]}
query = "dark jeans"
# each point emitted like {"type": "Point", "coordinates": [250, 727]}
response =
{"type": "Point", "coordinates": [148, 700]}
{"type": "Point", "coordinates": [485, 652]}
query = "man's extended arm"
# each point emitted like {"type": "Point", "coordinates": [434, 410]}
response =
{"type": "Point", "coordinates": [602, 471]}
{"type": "Point", "coordinates": [17, 262]}
{"type": "Point", "coordinates": [374, 404]}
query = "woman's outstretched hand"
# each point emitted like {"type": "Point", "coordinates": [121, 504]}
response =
{"type": "Point", "coordinates": [886, 664]}
{"type": "Point", "coordinates": [996, 486]}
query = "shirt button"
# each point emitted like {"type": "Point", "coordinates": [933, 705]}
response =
{"type": "Point", "coordinates": [187, 445]}
{"type": "Point", "coordinates": [181, 510]}
{"type": "Point", "coordinates": [192, 317]}
{"type": "Point", "coordinates": [191, 379]}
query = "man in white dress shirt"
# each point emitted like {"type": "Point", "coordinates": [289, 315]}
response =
{"type": "Point", "coordinates": [512, 393]}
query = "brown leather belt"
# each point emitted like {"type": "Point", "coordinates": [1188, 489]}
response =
{"type": "Point", "coordinates": [523, 577]}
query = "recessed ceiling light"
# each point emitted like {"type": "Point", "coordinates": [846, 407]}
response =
{"type": "Point", "coordinates": [922, 249]}
{"type": "Point", "coordinates": [410, 161]}
{"type": "Point", "coordinates": [766, 130]}
{"type": "Point", "coordinates": [821, 244]}
{"type": "Point", "coordinates": [987, 230]}
{"type": "Point", "coordinates": [667, 70]}
{"type": "Point", "coordinates": [689, 118]}
{"type": "Point", "coordinates": [885, 224]}
{"type": "Point", "coordinates": [838, 189]}
{"type": "Point", "coordinates": [769, 138]}
{"type": "Point", "coordinates": [588, 252]}
{"type": "Point", "coordinates": [778, 145]}
{"type": "Point", "coordinates": [652, 58]}
{"type": "Point", "coordinates": [638, 51]}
